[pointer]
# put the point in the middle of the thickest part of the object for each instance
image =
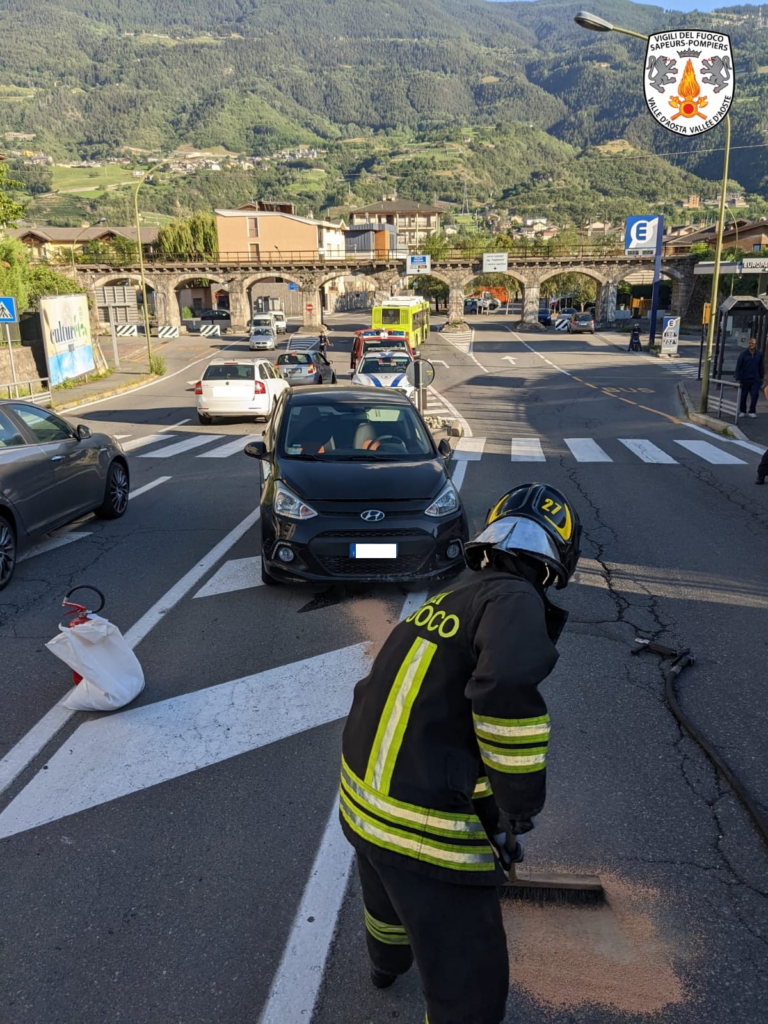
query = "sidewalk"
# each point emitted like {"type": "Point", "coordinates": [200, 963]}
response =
{"type": "Point", "coordinates": [753, 430]}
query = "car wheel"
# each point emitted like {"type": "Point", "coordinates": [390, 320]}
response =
{"type": "Point", "coordinates": [333, 378]}
{"type": "Point", "coordinates": [7, 552]}
{"type": "Point", "coordinates": [266, 579]}
{"type": "Point", "coordinates": [116, 495]}
{"type": "Point", "coordinates": [202, 418]}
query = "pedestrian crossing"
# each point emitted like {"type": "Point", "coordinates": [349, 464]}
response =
{"type": "Point", "coordinates": [528, 448]}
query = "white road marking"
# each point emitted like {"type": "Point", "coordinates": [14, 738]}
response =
{"type": "Point", "coordinates": [758, 448]}
{"type": "Point", "coordinates": [233, 448]}
{"type": "Point", "coordinates": [171, 598]}
{"type": "Point", "coordinates": [122, 437]}
{"type": "Point", "coordinates": [30, 745]}
{"type": "Point", "coordinates": [458, 474]}
{"type": "Point", "coordinates": [531, 349]}
{"type": "Point", "coordinates": [236, 574]}
{"type": "Point", "coordinates": [452, 410]}
{"type": "Point", "coordinates": [708, 452]}
{"type": "Point", "coordinates": [180, 423]}
{"type": "Point", "coordinates": [469, 449]}
{"type": "Point", "coordinates": [510, 359]}
{"type": "Point", "coordinates": [59, 539]}
{"type": "Point", "coordinates": [439, 362]}
{"type": "Point", "coordinates": [585, 449]}
{"type": "Point", "coordinates": [647, 451]}
{"type": "Point", "coordinates": [195, 441]}
{"type": "Point", "coordinates": [112, 756]}
{"type": "Point", "coordinates": [140, 442]}
{"type": "Point", "coordinates": [148, 487]}
{"type": "Point", "coordinates": [527, 449]}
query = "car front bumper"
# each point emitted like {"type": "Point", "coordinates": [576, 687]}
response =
{"type": "Point", "coordinates": [321, 547]}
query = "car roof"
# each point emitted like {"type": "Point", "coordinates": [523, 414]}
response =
{"type": "Point", "coordinates": [220, 360]}
{"type": "Point", "coordinates": [345, 393]}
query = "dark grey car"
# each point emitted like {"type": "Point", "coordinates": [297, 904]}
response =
{"type": "Point", "coordinates": [307, 366]}
{"type": "Point", "coordinates": [50, 474]}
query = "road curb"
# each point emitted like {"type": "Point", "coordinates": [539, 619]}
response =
{"type": "Point", "coordinates": [707, 421]}
{"type": "Point", "coordinates": [97, 397]}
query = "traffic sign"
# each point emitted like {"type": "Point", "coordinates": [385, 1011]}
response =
{"type": "Point", "coordinates": [642, 236]}
{"type": "Point", "coordinates": [418, 265]}
{"type": "Point", "coordinates": [8, 314]}
{"type": "Point", "coordinates": [310, 307]}
{"type": "Point", "coordinates": [420, 373]}
{"type": "Point", "coordinates": [495, 262]}
{"type": "Point", "coordinates": [760, 264]}
{"type": "Point", "coordinates": [670, 335]}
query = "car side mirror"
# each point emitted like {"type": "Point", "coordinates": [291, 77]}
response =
{"type": "Point", "coordinates": [256, 449]}
{"type": "Point", "coordinates": [83, 432]}
{"type": "Point", "coordinates": [445, 449]}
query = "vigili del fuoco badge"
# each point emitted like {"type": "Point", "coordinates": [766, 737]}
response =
{"type": "Point", "coordinates": [689, 79]}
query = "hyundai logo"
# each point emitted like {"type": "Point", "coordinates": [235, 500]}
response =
{"type": "Point", "coordinates": [372, 515]}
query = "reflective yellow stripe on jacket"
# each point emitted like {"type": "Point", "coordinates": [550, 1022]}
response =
{"type": "Point", "coordinates": [513, 744]}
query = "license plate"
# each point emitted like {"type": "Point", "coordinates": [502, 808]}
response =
{"type": "Point", "coordinates": [231, 392]}
{"type": "Point", "coordinates": [373, 550]}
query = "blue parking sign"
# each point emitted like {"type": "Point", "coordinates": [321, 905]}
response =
{"type": "Point", "coordinates": [642, 235]}
{"type": "Point", "coordinates": [8, 310]}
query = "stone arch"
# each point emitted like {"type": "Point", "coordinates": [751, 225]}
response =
{"type": "Point", "coordinates": [643, 276]}
{"type": "Point", "coordinates": [175, 283]}
{"type": "Point", "coordinates": [104, 280]}
{"type": "Point", "coordinates": [586, 271]}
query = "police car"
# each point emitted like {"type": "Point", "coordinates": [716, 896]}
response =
{"type": "Point", "coordinates": [383, 369]}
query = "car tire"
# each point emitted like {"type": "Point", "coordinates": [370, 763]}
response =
{"type": "Point", "coordinates": [116, 492]}
{"type": "Point", "coordinates": [204, 420]}
{"type": "Point", "coordinates": [333, 378]}
{"type": "Point", "coordinates": [266, 579]}
{"type": "Point", "coordinates": [7, 551]}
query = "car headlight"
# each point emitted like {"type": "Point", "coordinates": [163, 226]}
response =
{"type": "Point", "coordinates": [446, 502]}
{"type": "Point", "coordinates": [290, 505]}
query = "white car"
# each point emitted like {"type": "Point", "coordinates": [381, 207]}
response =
{"type": "Point", "coordinates": [281, 324]}
{"type": "Point", "coordinates": [262, 337]}
{"type": "Point", "coordinates": [238, 387]}
{"type": "Point", "coordinates": [381, 369]}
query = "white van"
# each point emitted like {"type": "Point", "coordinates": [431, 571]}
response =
{"type": "Point", "coordinates": [280, 322]}
{"type": "Point", "coordinates": [264, 320]}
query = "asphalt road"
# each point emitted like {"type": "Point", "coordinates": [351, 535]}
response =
{"type": "Point", "coordinates": [173, 862]}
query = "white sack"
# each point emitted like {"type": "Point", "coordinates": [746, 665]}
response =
{"type": "Point", "coordinates": [99, 652]}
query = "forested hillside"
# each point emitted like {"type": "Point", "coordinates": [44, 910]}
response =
{"type": "Point", "coordinates": [512, 99]}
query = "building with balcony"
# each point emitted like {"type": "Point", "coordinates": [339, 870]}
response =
{"type": "Point", "coordinates": [412, 221]}
{"type": "Point", "coordinates": [253, 233]}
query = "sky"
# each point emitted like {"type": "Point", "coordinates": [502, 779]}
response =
{"type": "Point", "coordinates": [695, 5]}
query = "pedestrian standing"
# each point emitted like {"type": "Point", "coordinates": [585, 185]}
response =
{"type": "Point", "coordinates": [762, 469]}
{"type": "Point", "coordinates": [750, 373]}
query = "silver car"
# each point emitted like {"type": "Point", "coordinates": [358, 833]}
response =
{"type": "Point", "coordinates": [261, 338]}
{"type": "Point", "coordinates": [50, 474]}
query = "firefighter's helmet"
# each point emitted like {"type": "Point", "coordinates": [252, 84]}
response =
{"type": "Point", "coordinates": [534, 520]}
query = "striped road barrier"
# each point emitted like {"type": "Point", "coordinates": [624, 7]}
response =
{"type": "Point", "coordinates": [210, 330]}
{"type": "Point", "coordinates": [167, 332]}
{"type": "Point", "coordinates": [126, 330]}
{"type": "Point", "coordinates": [561, 324]}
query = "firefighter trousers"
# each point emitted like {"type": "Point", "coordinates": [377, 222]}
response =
{"type": "Point", "coordinates": [454, 932]}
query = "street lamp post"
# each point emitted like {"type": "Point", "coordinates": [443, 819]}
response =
{"type": "Point", "coordinates": [595, 24]}
{"type": "Point", "coordinates": [145, 310]}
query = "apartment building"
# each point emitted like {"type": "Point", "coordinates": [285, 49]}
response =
{"type": "Point", "coordinates": [413, 222]}
{"type": "Point", "coordinates": [253, 233]}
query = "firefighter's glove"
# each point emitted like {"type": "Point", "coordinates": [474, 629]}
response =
{"type": "Point", "coordinates": [510, 849]}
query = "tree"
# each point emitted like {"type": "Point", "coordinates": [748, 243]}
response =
{"type": "Point", "coordinates": [431, 288]}
{"type": "Point", "coordinates": [35, 178]}
{"type": "Point", "coordinates": [196, 234]}
{"type": "Point", "coordinates": [9, 208]}
{"type": "Point", "coordinates": [27, 282]}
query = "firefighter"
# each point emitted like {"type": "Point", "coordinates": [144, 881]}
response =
{"type": "Point", "coordinates": [444, 756]}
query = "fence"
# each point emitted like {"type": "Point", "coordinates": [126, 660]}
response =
{"type": "Point", "coordinates": [27, 389]}
{"type": "Point", "coordinates": [718, 403]}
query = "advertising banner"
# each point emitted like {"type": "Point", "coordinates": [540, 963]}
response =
{"type": "Point", "coordinates": [67, 336]}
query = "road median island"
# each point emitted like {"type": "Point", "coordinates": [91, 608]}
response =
{"type": "Point", "coordinates": [87, 395]}
{"type": "Point", "coordinates": [689, 394]}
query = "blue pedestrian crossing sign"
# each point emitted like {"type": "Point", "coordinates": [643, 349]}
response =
{"type": "Point", "coordinates": [8, 310]}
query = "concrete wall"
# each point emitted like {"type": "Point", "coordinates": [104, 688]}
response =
{"type": "Point", "coordinates": [24, 362]}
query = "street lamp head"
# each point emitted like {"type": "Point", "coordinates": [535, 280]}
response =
{"type": "Point", "coordinates": [592, 22]}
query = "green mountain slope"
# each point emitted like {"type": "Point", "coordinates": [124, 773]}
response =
{"type": "Point", "coordinates": [257, 76]}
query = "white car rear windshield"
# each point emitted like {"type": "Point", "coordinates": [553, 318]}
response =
{"type": "Point", "coordinates": [229, 371]}
{"type": "Point", "coordinates": [294, 359]}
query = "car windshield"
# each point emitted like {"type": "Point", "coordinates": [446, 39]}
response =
{"type": "Point", "coordinates": [261, 330]}
{"type": "Point", "coordinates": [584, 318]}
{"type": "Point", "coordinates": [385, 364]}
{"type": "Point", "coordinates": [358, 430]}
{"type": "Point", "coordinates": [294, 359]}
{"type": "Point", "coordinates": [229, 371]}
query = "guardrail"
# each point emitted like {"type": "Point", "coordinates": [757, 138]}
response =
{"type": "Point", "coordinates": [516, 253]}
{"type": "Point", "coordinates": [719, 403]}
{"type": "Point", "coordinates": [28, 387]}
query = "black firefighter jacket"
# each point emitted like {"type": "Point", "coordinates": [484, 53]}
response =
{"type": "Point", "coordinates": [449, 718]}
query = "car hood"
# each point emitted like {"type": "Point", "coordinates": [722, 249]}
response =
{"type": "Point", "coordinates": [363, 481]}
{"type": "Point", "coordinates": [382, 380]}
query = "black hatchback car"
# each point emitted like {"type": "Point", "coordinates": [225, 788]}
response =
{"type": "Point", "coordinates": [354, 488]}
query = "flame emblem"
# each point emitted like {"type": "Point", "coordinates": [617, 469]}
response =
{"type": "Point", "coordinates": [688, 102]}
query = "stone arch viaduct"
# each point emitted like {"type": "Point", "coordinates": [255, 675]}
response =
{"type": "Point", "coordinates": [239, 276]}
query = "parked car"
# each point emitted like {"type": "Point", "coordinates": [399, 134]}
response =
{"type": "Point", "coordinates": [51, 473]}
{"type": "Point", "coordinates": [262, 337]}
{"type": "Point", "coordinates": [581, 323]}
{"type": "Point", "coordinates": [238, 387]}
{"type": "Point", "coordinates": [216, 316]}
{"type": "Point", "coordinates": [545, 317]}
{"type": "Point", "coordinates": [325, 515]}
{"type": "Point", "coordinates": [309, 367]}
